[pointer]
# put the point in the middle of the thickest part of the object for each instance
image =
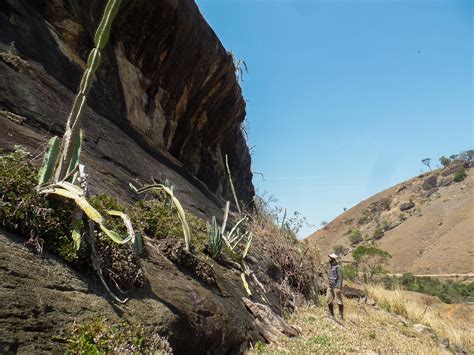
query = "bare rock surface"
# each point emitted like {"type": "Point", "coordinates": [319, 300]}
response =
{"type": "Point", "coordinates": [165, 104]}
{"type": "Point", "coordinates": [42, 297]}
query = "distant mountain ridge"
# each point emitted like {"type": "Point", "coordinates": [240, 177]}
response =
{"type": "Point", "coordinates": [425, 223]}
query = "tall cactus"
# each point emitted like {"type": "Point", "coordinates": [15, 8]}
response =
{"type": "Point", "coordinates": [67, 160]}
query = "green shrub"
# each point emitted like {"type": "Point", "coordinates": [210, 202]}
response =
{"type": "Point", "coordinates": [45, 223]}
{"type": "Point", "coordinates": [355, 236]}
{"type": "Point", "coordinates": [447, 291]}
{"type": "Point", "coordinates": [459, 176]}
{"type": "Point", "coordinates": [120, 262]}
{"type": "Point", "coordinates": [350, 272]}
{"type": "Point", "coordinates": [321, 340]}
{"type": "Point", "coordinates": [157, 220]}
{"type": "Point", "coordinates": [103, 337]}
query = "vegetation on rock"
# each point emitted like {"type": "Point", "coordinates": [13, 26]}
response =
{"type": "Point", "coordinates": [100, 336]}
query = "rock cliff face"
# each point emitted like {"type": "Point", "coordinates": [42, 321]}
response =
{"type": "Point", "coordinates": [165, 104]}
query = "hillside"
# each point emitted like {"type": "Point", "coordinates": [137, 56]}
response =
{"type": "Point", "coordinates": [425, 223]}
{"type": "Point", "coordinates": [401, 322]}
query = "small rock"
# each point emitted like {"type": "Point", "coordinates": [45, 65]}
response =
{"type": "Point", "coordinates": [444, 342]}
{"type": "Point", "coordinates": [430, 192]}
{"type": "Point", "coordinates": [402, 320]}
{"type": "Point", "coordinates": [422, 329]}
{"type": "Point", "coordinates": [401, 188]}
{"type": "Point", "coordinates": [446, 182]}
{"type": "Point", "coordinates": [430, 182]}
{"type": "Point", "coordinates": [371, 302]}
{"type": "Point", "coordinates": [406, 206]}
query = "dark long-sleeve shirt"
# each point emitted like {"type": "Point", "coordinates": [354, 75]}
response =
{"type": "Point", "coordinates": [335, 276]}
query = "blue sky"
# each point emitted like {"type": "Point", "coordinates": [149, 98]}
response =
{"type": "Point", "coordinates": [346, 97]}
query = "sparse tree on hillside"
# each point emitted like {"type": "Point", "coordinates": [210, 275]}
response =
{"type": "Point", "coordinates": [324, 224]}
{"type": "Point", "coordinates": [370, 260]}
{"type": "Point", "coordinates": [444, 161]}
{"type": "Point", "coordinates": [427, 162]}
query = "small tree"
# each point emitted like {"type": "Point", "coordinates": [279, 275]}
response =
{"type": "Point", "coordinates": [444, 161]}
{"type": "Point", "coordinates": [370, 260]}
{"type": "Point", "coordinates": [427, 162]}
{"type": "Point", "coordinates": [324, 224]}
{"type": "Point", "coordinates": [350, 272]}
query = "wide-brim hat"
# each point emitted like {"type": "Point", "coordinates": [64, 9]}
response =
{"type": "Point", "coordinates": [333, 256]}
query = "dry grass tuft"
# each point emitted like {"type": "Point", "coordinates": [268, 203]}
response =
{"type": "Point", "coordinates": [296, 270]}
{"type": "Point", "coordinates": [452, 321]}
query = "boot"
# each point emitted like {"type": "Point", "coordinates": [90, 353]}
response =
{"type": "Point", "coordinates": [341, 312]}
{"type": "Point", "coordinates": [331, 310]}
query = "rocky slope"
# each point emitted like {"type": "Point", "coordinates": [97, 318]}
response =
{"type": "Point", "coordinates": [425, 223]}
{"type": "Point", "coordinates": [165, 104]}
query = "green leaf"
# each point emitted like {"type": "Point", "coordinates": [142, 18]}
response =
{"type": "Point", "coordinates": [177, 204]}
{"type": "Point", "coordinates": [247, 246]}
{"type": "Point", "coordinates": [76, 233]}
{"type": "Point", "coordinates": [80, 200]}
{"type": "Point", "coordinates": [126, 220]}
{"type": "Point", "coordinates": [49, 161]}
{"type": "Point", "coordinates": [114, 235]}
{"type": "Point", "coordinates": [246, 285]}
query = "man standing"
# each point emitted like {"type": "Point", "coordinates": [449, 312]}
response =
{"type": "Point", "coordinates": [335, 287]}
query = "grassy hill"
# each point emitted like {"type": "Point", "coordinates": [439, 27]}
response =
{"type": "Point", "coordinates": [425, 223]}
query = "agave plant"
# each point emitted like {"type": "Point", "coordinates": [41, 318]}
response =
{"type": "Point", "coordinates": [214, 238]}
{"type": "Point", "coordinates": [232, 239]}
{"type": "Point", "coordinates": [175, 203]}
